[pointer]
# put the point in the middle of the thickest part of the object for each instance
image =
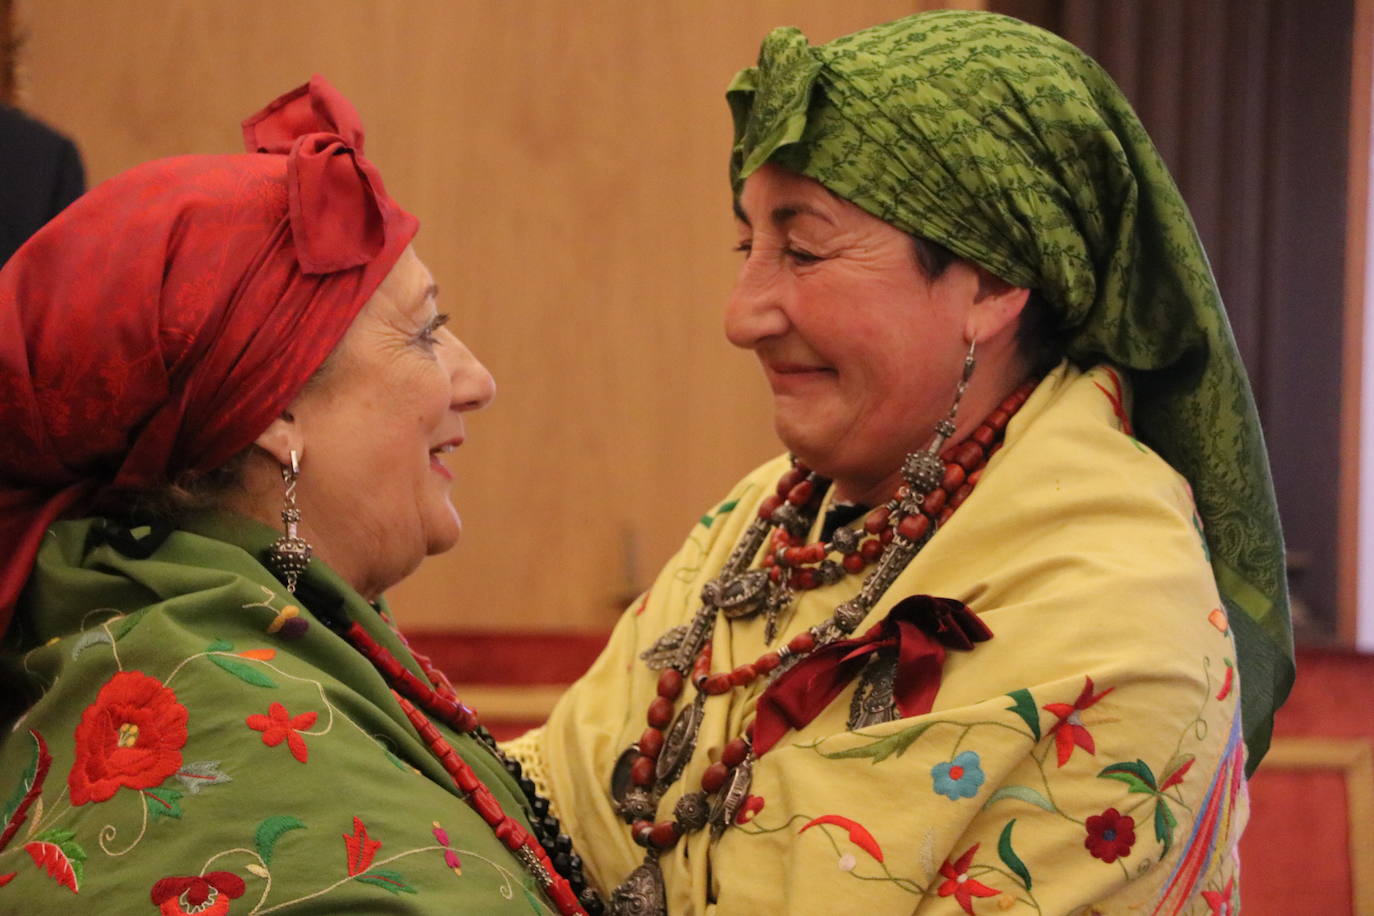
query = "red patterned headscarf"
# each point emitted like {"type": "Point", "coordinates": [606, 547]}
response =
{"type": "Point", "coordinates": [161, 322]}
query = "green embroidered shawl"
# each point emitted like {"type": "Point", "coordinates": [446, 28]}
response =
{"type": "Point", "coordinates": [1013, 149]}
{"type": "Point", "coordinates": [201, 735]}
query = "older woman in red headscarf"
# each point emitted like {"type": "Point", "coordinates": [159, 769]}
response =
{"type": "Point", "coordinates": [227, 395]}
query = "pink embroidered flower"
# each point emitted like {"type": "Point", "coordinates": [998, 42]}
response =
{"type": "Point", "coordinates": [1070, 730]}
{"type": "Point", "coordinates": [1220, 901]}
{"type": "Point", "coordinates": [278, 726]}
{"type": "Point", "coordinates": [204, 895]}
{"type": "Point", "coordinates": [130, 737]}
{"type": "Point", "coordinates": [960, 884]}
{"type": "Point", "coordinates": [1110, 835]}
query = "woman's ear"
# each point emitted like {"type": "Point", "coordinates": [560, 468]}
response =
{"type": "Point", "coordinates": [996, 307]}
{"type": "Point", "coordinates": [281, 438]}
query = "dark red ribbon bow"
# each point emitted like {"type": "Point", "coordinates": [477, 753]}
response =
{"type": "Point", "coordinates": [920, 628]}
{"type": "Point", "coordinates": [332, 190]}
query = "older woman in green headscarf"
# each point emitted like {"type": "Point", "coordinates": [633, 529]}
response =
{"type": "Point", "coordinates": [999, 631]}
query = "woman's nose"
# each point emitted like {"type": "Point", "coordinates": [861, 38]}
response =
{"type": "Point", "coordinates": [756, 309]}
{"type": "Point", "coordinates": [473, 385]}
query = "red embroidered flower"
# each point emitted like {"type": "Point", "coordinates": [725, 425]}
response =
{"type": "Point", "coordinates": [1070, 730]}
{"type": "Point", "coordinates": [277, 726]}
{"type": "Point", "coordinates": [752, 805]}
{"type": "Point", "coordinates": [960, 884]}
{"type": "Point", "coordinates": [131, 736]}
{"type": "Point", "coordinates": [1110, 835]}
{"type": "Point", "coordinates": [1220, 901]}
{"type": "Point", "coordinates": [204, 895]}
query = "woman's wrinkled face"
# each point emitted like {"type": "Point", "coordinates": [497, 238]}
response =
{"type": "Point", "coordinates": [375, 428]}
{"type": "Point", "coordinates": [861, 350]}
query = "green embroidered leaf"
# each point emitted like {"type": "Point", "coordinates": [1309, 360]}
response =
{"type": "Point", "coordinates": [1020, 793]}
{"type": "Point", "coordinates": [220, 645]}
{"type": "Point", "coordinates": [270, 830]}
{"type": "Point", "coordinates": [398, 763]}
{"type": "Point", "coordinates": [385, 877]}
{"type": "Point", "coordinates": [91, 638]}
{"type": "Point", "coordinates": [243, 671]}
{"type": "Point", "coordinates": [25, 784]}
{"type": "Point", "coordinates": [1023, 704]}
{"type": "Point", "coordinates": [128, 623]}
{"type": "Point", "coordinates": [1137, 775]}
{"type": "Point", "coordinates": [202, 773]}
{"type": "Point", "coordinates": [1009, 856]}
{"type": "Point", "coordinates": [162, 802]}
{"type": "Point", "coordinates": [54, 835]}
{"type": "Point", "coordinates": [1165, 822]}
{"type": "Point", "coordinates": [724, 508]}
{"type": "Point", "coordinates": [883, 748]}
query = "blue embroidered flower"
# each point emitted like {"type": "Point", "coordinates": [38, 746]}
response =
{"type": "Point", "coordinates": [959, 778]}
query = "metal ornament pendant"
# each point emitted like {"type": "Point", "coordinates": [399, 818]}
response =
{"type": "Point", "coordinates": [621, 784]}
{"type": "Point", "coordinates": [740, 596]}
{"type": "Point", "coordinates": [873, 702]}
{"type": "Point", "coordinates": [642, 893]}
{"type": "Point", "coordinates": [680, 741]}
{"type": "Point", "coordinates": [779, 599]}
{"type": "Point", "coordinates": [664, 650]}
{"type": "Point", "coordinates": [732, 795]}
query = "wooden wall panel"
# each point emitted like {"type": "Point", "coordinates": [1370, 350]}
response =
{"type": "Point", "coordinates": [567, 163]}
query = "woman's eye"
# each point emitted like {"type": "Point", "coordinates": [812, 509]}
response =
{"type": "Point", "coordinates": [427, 335]}
{"type": "Point", "coordinates": [744, 247]}
{"type": "Point", "coordinates": [803, 257]}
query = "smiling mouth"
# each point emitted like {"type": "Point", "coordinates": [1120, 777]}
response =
{"type": "Point", "coordinates": [784, 376]}
{"type": "Point", "coordinates": [435, 453]}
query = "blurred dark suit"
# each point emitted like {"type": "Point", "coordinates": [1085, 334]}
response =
{"type": "Point", "coordinates": [40, 173]}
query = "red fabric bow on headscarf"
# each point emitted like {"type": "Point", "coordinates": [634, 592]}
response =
{"type": "Point", "coordinates": [162, 321]}
{"type": "Point", "coordinates": [920, 628]}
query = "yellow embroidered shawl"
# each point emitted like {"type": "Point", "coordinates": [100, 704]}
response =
{"type": "Point", "coordinates": [1089, 755]}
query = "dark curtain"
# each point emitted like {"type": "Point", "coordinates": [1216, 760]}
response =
{"type": "Point", "coordinates": [1248, 103]}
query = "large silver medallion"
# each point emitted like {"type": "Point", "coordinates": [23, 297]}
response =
{"type": "Point", "coordinates": [680, 741]}
{"type": "Point", "coordinates": [873, 701]}
{"type": "Point", "coordinates": [743, 595]}
{"type": "Point", "coordinates": [620, 774]}
{"type": "Point", "coordinates": [641, 894]}
{"type": "Point", "coordinates": [732, 795]}
{"type": "Point", "coordinates": [665, 649]}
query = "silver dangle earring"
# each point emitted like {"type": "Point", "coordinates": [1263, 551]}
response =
{"type": "Point", "coordinates": [923, 471]}
{"type": "Point", "coordinates": [288, 556]}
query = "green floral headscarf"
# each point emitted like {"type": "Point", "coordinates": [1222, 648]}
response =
{"type": "Point", "coordinates": [1013, 149]}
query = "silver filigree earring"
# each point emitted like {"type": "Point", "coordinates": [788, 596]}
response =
{"type": "Point", "coordinates": [924, 471]}
{"type": "Point", "coordinates": [289, 555]}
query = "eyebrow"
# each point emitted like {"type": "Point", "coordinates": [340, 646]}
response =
{"type": "Point", "coordinates": [784, 214]}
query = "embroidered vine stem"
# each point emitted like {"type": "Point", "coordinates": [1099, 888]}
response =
{"type": "Point", "coordinates": [114, 647]}
{"type": "Point", "coordinates": [53, 814]}
{"type": "Point", "coordinates": [1049, 793]}
{"type": "Point", "coordinates": [324, 700]}
{"type": "Point", "coordinates": [110, 831]}
{"type": "Point", "coordinates": [906, 884]}
{"type": "Point", "coordinates": [506, 890]}
{"type": "Point", "coordinates": [266, 874]}
{"type": "Point", "coordinates": [1013, 880]}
